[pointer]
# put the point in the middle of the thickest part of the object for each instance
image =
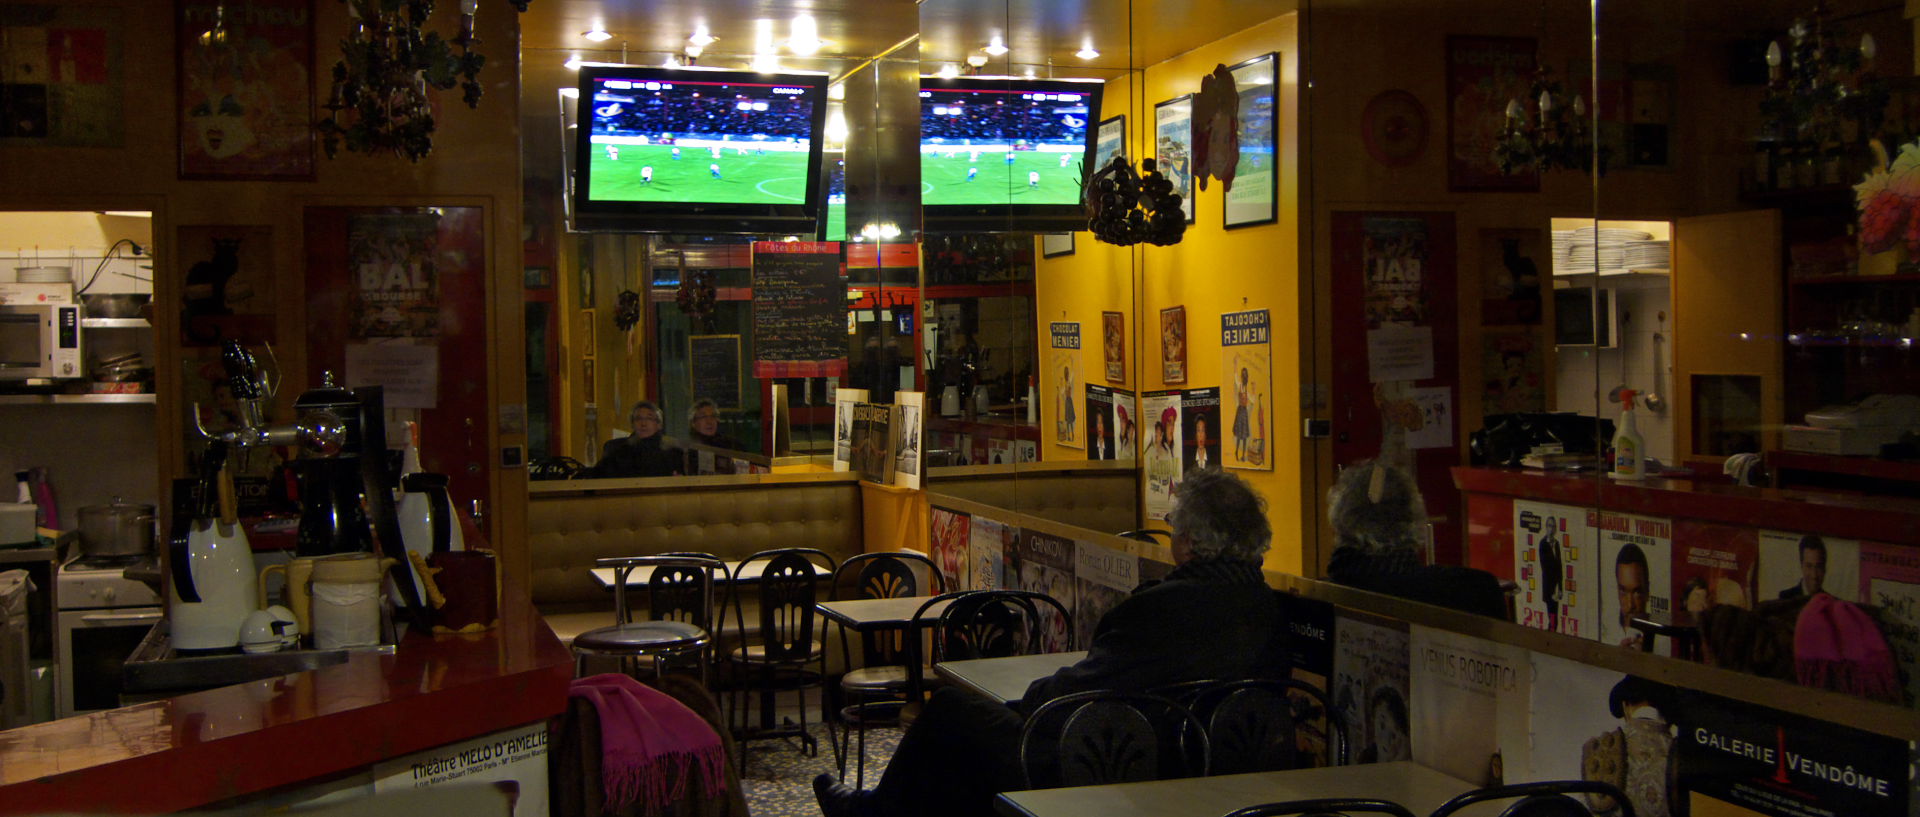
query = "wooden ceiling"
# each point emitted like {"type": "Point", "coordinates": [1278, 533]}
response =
{"type": "Point", "coordinates": [1127, 33]}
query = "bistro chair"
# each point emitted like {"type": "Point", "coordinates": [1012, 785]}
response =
{"type": "Point", "coordinates": [1552, 798]}
{"type": "Point", "coordinates": [680, 593]}
{"type": "Point", "coordinates": [1252, 723]}
{"type": "Point", "coordinates": [993, 624]}
{"type": "Point", "coordinates": [786, 653]}
{"type": "Point", "coordinates": [1326, 807]}
{"type": "Point", "coordinates": [1103, 736]}
{"type": "Point", "coordinates": [874, 692]}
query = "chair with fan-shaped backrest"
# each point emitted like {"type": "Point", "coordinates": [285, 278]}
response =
{"type": "Point", "coordinates": [1253, 724]}
{"type": "Point", "coordinates": [875, 690]}
{"type": "Point", "coordinates": [1104, 736]}
{"type": "Point", "coordinates": [681, 591]}
{"type": "Point", "coordinates": [1551, 798]}
{"type": "Point", "coordinates": [995, 623]}
{"type": "Point", "coordinates": [786, 653]}
{"type": "Point", "coordinates": [1325, 807]}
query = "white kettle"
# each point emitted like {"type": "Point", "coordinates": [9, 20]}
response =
{"type": "Point", "coordinates": [215, 584]}
{"type": "Point", "coordinates": [428, 524]}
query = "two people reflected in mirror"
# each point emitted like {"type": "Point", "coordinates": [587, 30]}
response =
{"type": "Point", "coordinates": [1213, 617]}
{"type": "Point", "coordinates": [703, 425]}
{"type": "Point", "coordinates": [646, 452]}
{"type": "Point", "coordinates": [1379, 524]}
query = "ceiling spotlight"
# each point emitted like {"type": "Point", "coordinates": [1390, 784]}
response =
{"type": "Point", "coordinates": [837, 91]}
{"type": "Point", "coordinates": [672, 62]}
{"type": "Point", "coordinates": [948, 71]}
{"type": "Point", "coordinates": [766, 63]}
{"type": "Point", "coordinates": [597, 34]}
{"type": "Point", "coordinates": [805, 39]}
{"type": "Point", "coordinates": [573, 63]}
{"type": "Point", "coordinates": [1086, 51]}
{"type": "Point", "coordinates": [976, 60]}
{"type": "Point", "coordinates": [762, 36]}
{"type": "Point", "coordinates": [693, 51]}
{"type": "Point", "coordinates": [996, 46]}
{"type": "Point", "coordinates": [701, 37]}
{"type": "Point", "coordinates": [1028, 73]}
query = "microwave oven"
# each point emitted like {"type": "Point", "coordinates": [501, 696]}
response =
{"type": "Point", "coordinates": [40, 338]}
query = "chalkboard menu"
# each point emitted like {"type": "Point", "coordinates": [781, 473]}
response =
{"type": "Point", "coordinates": [713, 362]}
{"type": "Point", "coordinates": [799, 310]}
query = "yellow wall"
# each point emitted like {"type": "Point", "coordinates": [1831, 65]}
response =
{"type": "Point", "coordinates": [1212, 271]}
{"type": "Point", "coordinates": [53, 234]}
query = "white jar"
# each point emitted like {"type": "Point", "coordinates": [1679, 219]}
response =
{"type": "Point", "coordinates": [346, 614]}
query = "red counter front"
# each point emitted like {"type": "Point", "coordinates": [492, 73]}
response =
{"type": "Point", "coordinates": [206, 747]}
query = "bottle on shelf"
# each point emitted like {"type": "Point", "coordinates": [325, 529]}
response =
{"type": "Point", "coordinates": [1629, 449]}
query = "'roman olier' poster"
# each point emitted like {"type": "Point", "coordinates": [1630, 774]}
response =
{"type": "Point", "coordinates": [1246, 359]}
{"type": "Point", "coordinates": [1065, 364]}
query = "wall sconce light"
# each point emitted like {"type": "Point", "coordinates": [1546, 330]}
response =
{"type": "Point", "coordinates": [995, 46]}
{"type": "Point", "coordinates": [976, 61]}
{"type": "Point", "coordinates": [597, 34]}
{"type": "Point", "coordinates": [804, 38]}
{"type": "Point", "coordinates": [948, 71]}
{"type": "Point", "coordinates": [572, 63]}
{"type": "Point", "coordinates": [1086, 51]}
{"type": "Point", "coordinates": [701, 37]}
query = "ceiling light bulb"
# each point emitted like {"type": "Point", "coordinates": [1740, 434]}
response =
{"type": "Point", "coordinates": [996, 46]}
{"type": "Point", "coordinates": [762, 36]}
{"type": "Point", "coordinates": [573, 63]}
{"type": "Point", "coordinates": [701, 37]}
{"type": "Point", "coordinates": [1029, 74]}
{"type": "Point", "coordinates": [597, 34]}
{"type": "Point", "coordinates": [805, 39]}
{"type": "Point", "coordinates": [976, 60]}
{"type": "Point", "coordinates": [672, 62]}
{"type": "Point", "coordinates": [837, 126]}
{"type": "Point", "coordinates": [766, 63]}
{"type": "Point", "coordinates": [837, 91]}
{"type": "Point", "coordinates": [1086, 53]}
{"type": "Point", "coordinates": [948, 71]}
{"type": "Point", "coordinates": [693, 51]}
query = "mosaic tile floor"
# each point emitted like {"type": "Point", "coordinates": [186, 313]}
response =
{"type": "Point", "coordinates": [779, 781]}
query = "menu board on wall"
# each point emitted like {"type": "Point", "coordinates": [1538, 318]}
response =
{"type": "Point", "coordinates": [713, 364]}
{"type": "Point", "coordinates": [799, 310]}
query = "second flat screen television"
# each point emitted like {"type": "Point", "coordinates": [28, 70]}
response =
{"type": "Point", "coordinates": [696, 150]}
{"type": "Point", "coordinates": [1005, 154]}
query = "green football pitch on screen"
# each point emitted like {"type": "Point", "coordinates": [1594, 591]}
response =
{"type": "Point", "coordinates": [944, 180]}
{"type": "Point", "coordinates": [772, 177]}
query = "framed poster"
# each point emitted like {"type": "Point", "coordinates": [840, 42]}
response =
{"type": "Point", "coordinates": [1246, 369]}
{"type": "Point", "coordinates": [246, 98]}
{"type": "Point", "coordinates": [61, 75]}
{"type": "Point", "coordinates": [1173, 345]}
{"type": "Point", "coordinates": [1067, 380]}
{"type": "Point", "coordinates": [1173, 147]}
{"type": "Point", "coordinates": [1510, 261]}
{"type": "Point", "coordinates": [1054, 245]}
{"type": "Point", "coordinates": [1255, 197]}
{"type": "Point", "coordinates": [1483, 75]}
{"type": "Point", "coordinates": [1113, 332]}
{"type": "Point", "coordinates": [228, 289]}
{"type": "Point", "coordinates": [1109, 141]}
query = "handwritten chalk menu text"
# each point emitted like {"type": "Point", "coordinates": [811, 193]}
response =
{"type": "Point", "coordinates": [799, 310]}
{"type": "Point", "coordinates": [713, 361]}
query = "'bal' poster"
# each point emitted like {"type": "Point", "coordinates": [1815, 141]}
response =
{"type": "Point", "coordinates": [1199, 429]}
{"type": "Point", "coordinates": [1100, 417]}
{"type": "Point", "coordinates": [1370, 687]}
{"type": "Point", "coordinates": [396, 286]}
{"type": "Point", "coordinates": [1160, 414]}
{"type": "Point", "coordinates": [1246, 359]}
{"type": "Point", "coordinates": [1636, 555]}
{"type": "Point", "coordinates": [1064, 360]}
{"type": "Point", "coordinates": [1553, 560]}
{"type": "Point", "coordinates": [948, 542]}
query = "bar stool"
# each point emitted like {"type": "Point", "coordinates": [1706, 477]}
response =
{"type": "Point", "coordinates": [681, 597]}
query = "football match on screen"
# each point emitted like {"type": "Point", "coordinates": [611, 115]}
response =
{"type": "Point", "coordinates": [1002, 148]}
{"type": "Point", "coordinates": [700, 142]}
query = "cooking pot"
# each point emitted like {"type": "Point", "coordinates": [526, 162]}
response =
{"type": "Point", "coordinates": [119, 529]}
{"type": "Point", "coordinates": [115, 304]}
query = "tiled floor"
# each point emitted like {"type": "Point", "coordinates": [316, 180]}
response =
{"type": "Point", "coordinates": [779, 781]}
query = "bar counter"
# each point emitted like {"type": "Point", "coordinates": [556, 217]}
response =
{"type": "Point", "coordinates": [1853, 516]}
{"type": "Point", "coordinates": [206, 747]}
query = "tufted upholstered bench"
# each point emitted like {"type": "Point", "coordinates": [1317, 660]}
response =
{"type": "Point", "coordinates": [569, 526]}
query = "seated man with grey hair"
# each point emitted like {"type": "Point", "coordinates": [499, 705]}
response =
{"type": "Point", "coordinates": [1377, 519]}
{"type": "Point", "coordinates": [1212, 618]}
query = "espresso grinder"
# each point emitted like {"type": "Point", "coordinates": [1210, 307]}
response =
{"type": "Point", "coordinates": [346, 491]}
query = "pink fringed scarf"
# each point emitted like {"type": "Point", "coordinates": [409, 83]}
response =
{"type": "Point", "coordinates": [651, 745]}
{"type": "Point", "coordinates": [1837, 646]}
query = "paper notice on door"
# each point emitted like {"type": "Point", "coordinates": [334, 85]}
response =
{"type": "Point", "coordinates": [1436, 417]}
{"type": "Point", "coordinates": [1399, 353]}
{"type": "Point", "coordinates": [411, 374]}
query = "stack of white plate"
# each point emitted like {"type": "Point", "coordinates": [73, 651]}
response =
{"type": "Point", "coordinates": [44, 275]}
{"type": "Point", "coordinates": [1648, 255]}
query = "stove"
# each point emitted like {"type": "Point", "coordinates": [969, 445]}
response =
{"type": "Point", "coordinates": [102, 616]}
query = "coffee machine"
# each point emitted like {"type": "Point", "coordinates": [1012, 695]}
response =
{"type": "Point", "coordinates": [346, 490]}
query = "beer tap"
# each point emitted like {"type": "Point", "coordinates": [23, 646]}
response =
{"type": "Point", "coordinates": [315, 433]}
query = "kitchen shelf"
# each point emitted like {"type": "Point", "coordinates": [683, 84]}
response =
{"type": "Point", "coordinates": [1660, 272]}
{"type": "Point", "coordinates": [1905, 278]}
{"type": "Point", "coordinates": [75, 399]}
{"type": "Point", "coordinates": [115, 323]}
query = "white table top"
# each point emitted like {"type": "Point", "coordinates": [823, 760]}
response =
{"type": "Point", "coordinates": [1410, 784]}
{"type": "Point", "coordinates": [1005, 680]}
{"type": "Point", "coordinates": [877, 614]}
{"type": "Point", "coordinates": [640, 575]}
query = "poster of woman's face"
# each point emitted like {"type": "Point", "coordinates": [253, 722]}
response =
{"type": "Point", "coordinates": [1173, 345]}
{"type": "Point", "coordinates": [245, 101]}
{"type": "Point", "coordinates": [1114, 345]}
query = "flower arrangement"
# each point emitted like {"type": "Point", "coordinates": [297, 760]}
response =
{"type": "Point", "coordinates": [1889, 201]}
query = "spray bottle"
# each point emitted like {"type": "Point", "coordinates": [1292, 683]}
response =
{"type": "Point", "coordinates": [1629, 450]}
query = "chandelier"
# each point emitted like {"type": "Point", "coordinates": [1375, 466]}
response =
{"type": "Point", "coordinates": [388, 59]}
{"type": "Point", "coordinates": [1819, 90]}
{"type": "Point", "coordinates": [1553, 136]}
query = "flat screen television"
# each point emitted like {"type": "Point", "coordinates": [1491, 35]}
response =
{"type": "Point", "coordinates": [1584, 316]}
{"type": "Point", "coordinates": [698, 150]}
{"type": "Point", "coordinates": [1003, 154]}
